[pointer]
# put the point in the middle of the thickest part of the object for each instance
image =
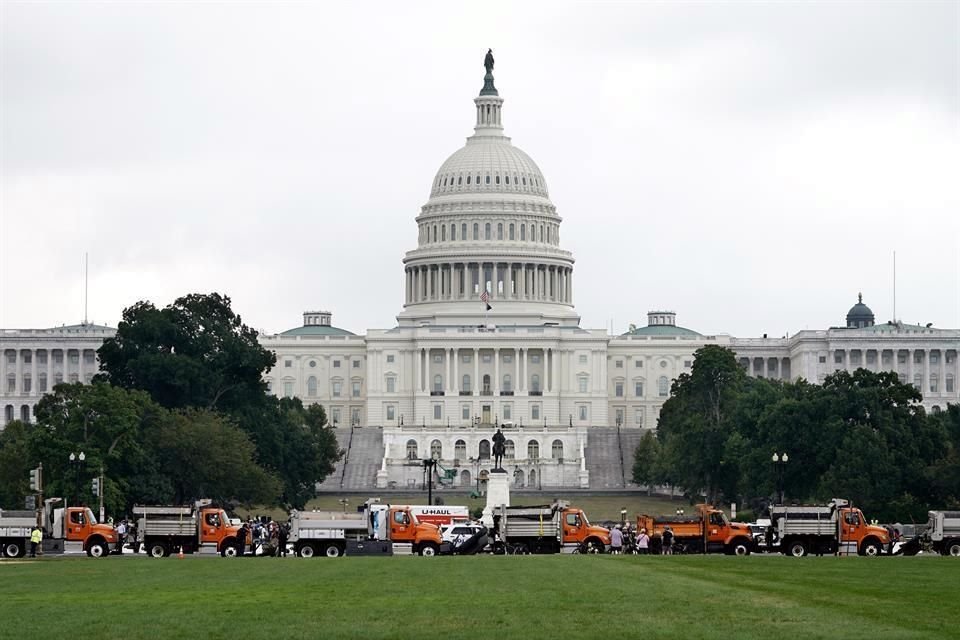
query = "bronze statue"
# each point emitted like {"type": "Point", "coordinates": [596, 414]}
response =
{"type": "Point", "coordinates": [488, 61]}
{"type": "Point", "coordinates": [499, 447]}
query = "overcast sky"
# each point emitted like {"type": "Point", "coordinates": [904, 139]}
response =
{"type": "Point", "coordinates": [751, 166]}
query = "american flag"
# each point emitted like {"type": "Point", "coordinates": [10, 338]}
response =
{"type": "Point", "coordinates": [485, 297]}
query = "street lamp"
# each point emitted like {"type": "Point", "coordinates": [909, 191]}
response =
{"type": "Point", "coordinates": [77, 461]}
{"type": "Point", "coordinates": [623, 516]}
{"type": "Point", "coordinates": [679, 513]}
{"type": "Point", "coordinates": [779, 462]}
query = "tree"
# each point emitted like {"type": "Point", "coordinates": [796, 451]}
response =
{"type": "Point", "coordinates": [15, 465]}
{"type": "Point", "coordinates": [645, 460]}
{"type": "Point", "coordinates": [195, 352]}
{"type": "Point", "coordinates": [696, 421]}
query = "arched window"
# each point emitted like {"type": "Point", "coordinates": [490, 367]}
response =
{"type": "Point", "coordinates": [443, 233]}
{"type": "Point", "coordinates": [8, 413]}
{"type": "Point", "coordinates": [486, 231]}
{"type": "Point", "coordinates": [535, 382]}
{"type": "Point", "coordinates": [412, 450]}
{"type": "Point", "coordinates": [478, 179]}
{"type": "Point", "coordinates": [453, 232]}
{"type": "Point", "coordinates": [948, 383]}
{"type": "Point", "coordinates": [506, 383]}
{"type": "Point", "coordinates": [663, 386]}
{"type": "Point", "coordinates": [434, 233]}
{"type": "Point", "coordinates": [506, 179]}
{"type": "Point", "coordinates": [476, 231]}
{"type": "Point", "coordinates": [533, 233]}
{"type": "Point", "coordinates": [523, 232]}
{"type": "Point", "coordinates": [918, 381]}
{"type": "Point", "coordinates": [498, 179]}
{"type": "Point", "coordinates": [488, 179]}
{"type": "Point", "coordinates": [468, 179]}
{"type": "Point", "coordinates": [438, 382]}
{"type": "Point", "coordinates": [533, 450]}
{"type": "Point", "coordinates": [935, 409]}
{"type": "Point", "coordinates": [549, 234]}
{"type": "Point", "coordinates": [510, 232]}
{"type": "Point", "coordinates": [509, 450]}
{"type": "Point", "coordinates": [466, 382]}
{"type": "Point", "coordinates": [463, 231]}
{"type": "Point", "coordinates": [459, 180]}
{"type": "Point", "coordinates": [486, 384]}
{"type": "Point", "coordinates": [532, 478]}
{"type": "Point", "coordinates": [464, 478]}
{"type": "Point", "coordinates": [499, 231]}
{"type": "Point", "coordinates": [460, 447]}
{"type": "Point", "coordinates": [25, 413]}
{"type": "Point", "coordinates": [484, 450]}
{"type": "Point", "coordinates": [436, 450]}
{"type": "Point", "coordinates": [541, 233]}
{"type": "Point", "coordinates": [934, 380]}
{"type": "Point", "coordinates": [312, 386]}
{"type": "Point", "coordinates": [557, 449]}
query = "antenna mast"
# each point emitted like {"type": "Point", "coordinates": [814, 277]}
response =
{"type": "Point", "coordinates": [894, 285]}
{"type": "Point", "coordinates": [86, 284]}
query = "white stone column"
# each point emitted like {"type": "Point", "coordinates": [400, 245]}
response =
{"type": "Point", "coordinates": [49, 369]}
{"type": "Point", "coordinates": [508, 284]}
{"type": "Point", "coordinates": [496, 371]}
{"type": "Point", "coordinates": [456, 370]}
{"type": "Point", "coordinates": [926, 372]}
{"type": "Point", "coordinates": [19, 373]}
{"type": "Point", "coordinates": [910, 365]}
{"type": "Point", "coordinates": [942, 382]}
{"type": "Point", "coordinates": [476, 372]}
{"type": "Point", "coordinates": [416, 373]}
{"type": "Point", "coordinates": [446, 356]}
{"type": "Point", "coordinates": [495, 275]}
{"type": "Point", "coordinates": [516, 371]}
{"type": "Point", "coordinates": [33, 373]}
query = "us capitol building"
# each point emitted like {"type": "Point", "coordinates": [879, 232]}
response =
{"type": "Point", "coordinates": [489, 335]}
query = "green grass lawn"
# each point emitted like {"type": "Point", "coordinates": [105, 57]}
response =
{"type": "Point", "coordinates": [553, 597]}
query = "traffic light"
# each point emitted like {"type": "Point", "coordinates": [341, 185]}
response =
{"type": "Point", "coordinates": [96, 487]}
{"type": "Point", "coordinates": [36, 480]}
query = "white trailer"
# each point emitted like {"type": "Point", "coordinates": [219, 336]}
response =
{"type": "Point", "coordinates": [325, 532]}
{"type": "Point", "coordinates": [15, 530]}
{"type": "Point", "coordinates": [943, 530]}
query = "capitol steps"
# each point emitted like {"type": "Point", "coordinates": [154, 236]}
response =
{"type": "Point", "coordinates": [603, 458]}
{"type": "Point", "coordinates": [332, 482]}
{"type": "Point", "coordinates": [363, 458]}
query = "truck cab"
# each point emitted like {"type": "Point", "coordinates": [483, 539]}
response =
{"type": "Point", "coordinates": [577, 529]}
{"type": "Point", "coordinates": [735, 538]}
{"type": "Point", "coordinates": [78, 524]}
{"type": "Point", "coordinates": [858, 536]}
{"type": "Point", "coordinates": [215, 529]}
{"type": "Point", "coordinates": [404, 527]}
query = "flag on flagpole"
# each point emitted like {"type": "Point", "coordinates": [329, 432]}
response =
{"type": "Point", "coordinates": [485, 299]}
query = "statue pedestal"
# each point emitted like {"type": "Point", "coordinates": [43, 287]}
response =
{"type": "Point", "coordinates": [498, 493]}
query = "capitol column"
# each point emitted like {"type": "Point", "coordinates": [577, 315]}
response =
{"type": "Point", "coordinates": [33, 373]}
{"type": "Point", "coordinates": [942, 382]}
{"type": "Point", "coordinates": [910, 371]}
{"type": "Point", "coordinates": [449, 385]}
{"type": "Point", "coordinates": [508, 285]}
{"type": "Point", "coordinates": [496, 371]}
{"type": "Point", "coordinates": [18, 383]}
{"type": "Point", "coordinates": [516, 371]}
{"type": "Point", "coordinates": [496, 279]}
{"type": "Point", "coordinates": [476, 370]}
{"type": "Point", "coordinates": [456, 370]}
{"type": "Point", "coordinates": [926, 372]}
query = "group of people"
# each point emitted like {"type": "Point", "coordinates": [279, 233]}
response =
{"type": "Point", "coordinates": [267, 536]}
{"type": "Point", "coordinates": [628, 539]}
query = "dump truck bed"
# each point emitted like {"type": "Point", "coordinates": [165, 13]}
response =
{"type": "Point", "coordinates": [945, 524]}
{"type": "Point", "coordinates": [817, 521]}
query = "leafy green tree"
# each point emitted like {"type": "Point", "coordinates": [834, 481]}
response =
{"type": "Point", "coordinates": [646, 459]}
{"type": "Point", "coordinates": [195, 352]}
{"type": "Point", "coordinates": [696, 421]}
{"type": "Point", "coordinates": [15, 465]}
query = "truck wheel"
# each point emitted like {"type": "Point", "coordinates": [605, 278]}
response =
{"type": "Point", "coordinates": [739, 548]}
{"type": "Point", "coordinates": [797, 549]}
{"type": "Point", "coordinates": [158, 550]}
{"type": "Point", "coordinates": [229, 551]}
{"type": "Point", "coordinates": [306, 551]}
{"type": "Point", "coordinates": [98, 550]}
{"type": "Point", "coordinates": [13, 549]}
{"type": "Point", "coordinates": [332, 551]}
{"type": "Point", "coordinates": [952, 548]}
{"type": "Point", "coordinates": [872, 548]}
{"type": "Point", "coordinates": [429, 549]}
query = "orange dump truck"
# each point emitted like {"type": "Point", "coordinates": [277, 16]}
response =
{"type": "Point", "coordinates": [707, 531]}
{"type": "Point", "coordinates": [831, 528]}
{"type": "Point", "coordinates": [70, 528]}
{"type": "Point", "coordinates": [377, 529]}
{"type": "Point", "coordinates": [551, 528]}
{"type": "Point", "coordinates": [168, 529]}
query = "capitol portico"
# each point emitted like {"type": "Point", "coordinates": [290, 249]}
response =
{"type": "Point", "coordinates": [488, 335]}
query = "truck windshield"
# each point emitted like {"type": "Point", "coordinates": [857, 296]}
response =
{"type": "Point", "coordinates": [90, 517]}
{"type": "Point", "coordinates": [583, 519]}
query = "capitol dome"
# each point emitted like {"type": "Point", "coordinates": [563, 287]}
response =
{"type": "Point", "coordinates": [489, 236]}
{"type": "Point", "coordinates": [860, 315]}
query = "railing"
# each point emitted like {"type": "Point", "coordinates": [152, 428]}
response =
{"type": "Point", "coordinates": [536, 393]}
{"type": "Point", "coordinates": [436, 393]}
{"type": "Point", "coordinates": [486, 392]}
{"type": "Point", "coordinates": [466, 393]}
{"type": "Point", "coordinates": [506, 393]}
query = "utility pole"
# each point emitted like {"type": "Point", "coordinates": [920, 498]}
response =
{"type": "Point", "coordinates": [101, 493]}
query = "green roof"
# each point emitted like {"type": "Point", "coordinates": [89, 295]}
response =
{"type": "Point", "coordinates": [661, 330]}
{"type": "Point", "coordinates": [317, 330]}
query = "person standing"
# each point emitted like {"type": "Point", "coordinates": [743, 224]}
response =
{"type": "Point", "coordinates": [121, 536]}
{"type": "Point", "coordinates": [36, 536]}
{"type": "Point", "coordinates": [616, 540]}
{"type": "Point", "coordinates": [643, 542]}
{"type": "Point", "coordinates": [242, 540]}
{"type": "Point", "coordinates": [282, 541]}
{"type": "Point", "coordinates": [667, 538]}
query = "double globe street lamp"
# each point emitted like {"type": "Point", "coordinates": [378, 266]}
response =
{"type": "Point", "coordinates": [77, 462]}
{"type": "Point", "coordinates": [779, 462]}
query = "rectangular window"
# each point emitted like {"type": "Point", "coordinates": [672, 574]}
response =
{"type": "Point", "coordinates": [638, 389]}
{"type": "Point", "coordinates": [949, 384]}
{"type": "Point", "coordinates": [467, 358]}
{"type": "Point", "coordinates": [356, 364]}
{"type": "Point", "coordinates": [583, 359]}
{"type": "Point", "coordinates": [336, 364]}
{"type": "Point", "coordinates": [287, 389]}
{"type": "Point", "coordinates": [356, 389]}
{"type": "Point", "coordinates": [535, 358]}
{"type": "Point", "coordinates": [638, 364]}
{"type": "Point", "coordinates": [902, 358]}
{"type": "Point", "coordinates": [535, 412]}
{"type": "Point", "coordinates": [88, 357]}
{"type": "Point", "coordinates": [822, 359]}
{"type": "Point", "coordinates": [619, 364]}
{"type": "Point", "coordinates": [27, 358]}
{"type": "Point", "coordinates": [355, 416]}
{"type": "Point", "coordinates": [74, 358]}
{"type": "Point", "coordinates": [58, 357]}
{"type": "Point", "coordinates": [12, 357]}
{"type": "Point", "coordinates": [487, 357]}
{"type": "Point", "coordinates": [619, 389]}
{"type": "Point", "coordinates": [27, 384]}
{"type": "Point", "coordinates": [507, 358]}
{"type": "Point", "coordinates": [391, 385]}
{"type": "Point", "coordinates": [687, 363]}
{"type": "Point", "coordinates": [583, 381]}
{"type": "Point", "coordinates": [337, 386]}
{"type": "Point", "coordinates": [583, 411]}
{"type": "Point", "coordinates": [437, 358]}
{"type": "Point", "coordinates": [465, 412]}
{"type": "Point", "coordinates": [638, 417]}
{"type": "Point", "coordinates": [838, 357]}
{"type": "Point", "coordinates": [934, 358]}
{"type": "Point", "coordinates": [390, 359]}
{"type": "Point", "coordinates": [917, 357]}
{"type": "Point", "coordinates": [287, 364]}
{"type": "Point", "coordinates": [391, 412]}
{"type": "Point", "coordinates": [507, 412]}
{"type": "Point", "coordinates": [437, 412]}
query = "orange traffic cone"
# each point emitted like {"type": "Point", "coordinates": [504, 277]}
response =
{"type": "Point", "coordinates": [180, 554]}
